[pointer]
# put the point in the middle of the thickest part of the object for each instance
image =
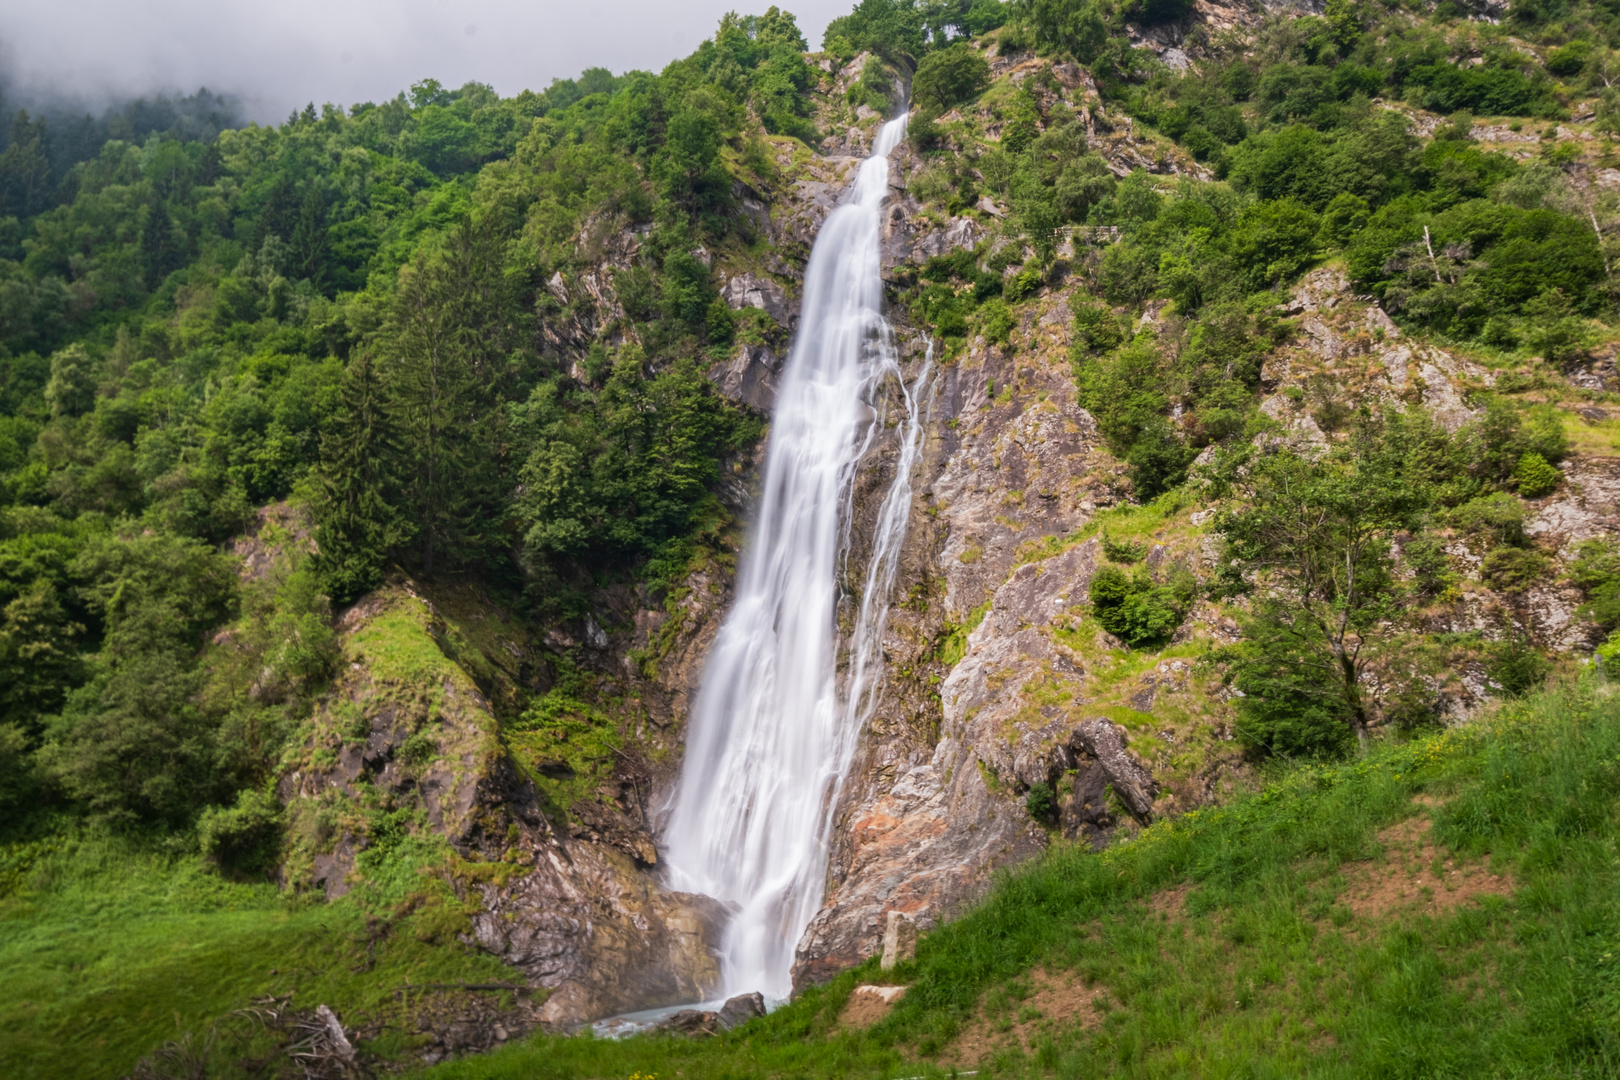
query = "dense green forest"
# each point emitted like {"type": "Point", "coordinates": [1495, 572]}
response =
{"type": "Point", "coordinates": [386, 315]}
{"type": "Point", "coordinates": [346, 307]}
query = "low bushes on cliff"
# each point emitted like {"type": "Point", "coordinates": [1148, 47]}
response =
{"type": "Point", "coordinates": [1137, 609]}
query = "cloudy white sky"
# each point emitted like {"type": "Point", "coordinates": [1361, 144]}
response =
{"type": "Point", "coordinates": [276, 56]}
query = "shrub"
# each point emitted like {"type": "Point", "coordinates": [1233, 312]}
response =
{"type": "Point", "coordinates": [1486, 91]}
{"type": "Point", "coordinates": [1135, 609]}
{"type": "Point", "coordinates": [875, 87]}
{"type": "Point", "coordinates": [1200, 143]}
{"type": "Point", "coordinates": [1040, 802]}
{"type": "Point", "coordinates": [419, 749]}
{"type": "Point", "coordinates": [1155, 12]}
{"type": "Point", "coordinates": [923, 134]}
{"type": "Point", "coordinates": [17, 778]}
{"type": "Point", "coordinates": [1534, 477]}
{"type": "Point", "coordinates": [1159, 459]}
{"type": "Point", "coordinates": [1346, 215]}
{"type": "Point", "coordinates": [997, 321]}
{"type": "Point", "coordinates": [1596, 570]}
{"type": "Point", "coordinates": [1023, 284]}
{"type": "Point", "coordinates": [1096, 329]}
{"type": "Point", "coordinates": [1292, 722]}
{"type": "Point", "coordinates": [1275, 240]}
{"type": "Point", "coordinates": [1499, 517]}
{"type": "Point", "coordinates": [984, 16]}
{"type": "Point", "coordinates": [1512, 569]}
{"type": "Point", "coordinates": [1569, 59]}
{"type": "Point", "coordinates": [1122, 551]}
{"type": "Point", "coordinates": [244, 837]}
{"type": "Point", "coordinates": [1431, 568]}
{"type": "Point", "coordinates": [1517, 666]}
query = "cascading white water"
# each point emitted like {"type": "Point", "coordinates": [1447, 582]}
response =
{"type": "Point", "coordinates": [772, 733]}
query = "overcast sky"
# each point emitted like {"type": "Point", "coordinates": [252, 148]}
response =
{"type": "Point", "coordinates": [276, 56]}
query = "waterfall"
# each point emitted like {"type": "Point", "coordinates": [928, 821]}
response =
{"type": "Point", "coordinates": [772, 732]}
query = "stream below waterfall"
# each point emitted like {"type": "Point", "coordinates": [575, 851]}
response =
{"type": "Point", "coordinates": [774, 727]}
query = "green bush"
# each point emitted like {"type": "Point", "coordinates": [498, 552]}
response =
{"type": "Point", "coordinates": [1292, 721]}
{"type": "Point", "coordinates": [1274, 241]}
{"type": "Point", "coordinates": [996, 320]}
{"type": "Point", "coordinates": [245, 837]}
{"type": "Point", "coordinates": [1135, 608]}
{"type": "Point", "coordinates": [1122, 551]}
{"type": "Point", "coordinates": [1499, 517]}
{"type": "Point", "coordinates": [1534, 477]}
{"type": "Point", "coordinates": [419, 749]}
{"type": "Point", "coordinates": [1513, 569]}
{"type": "Point", "coordinates": [1154, 12]}
{"type": "Point", "coordinates": [1596, 570]}
{"type": "Point", "coordinates": [1158, 459]}
{"type": "Point", "coordinates": [1569, 59]}
{"type": "Point", "coordinates": [984, 16]}
{"type": "Point", "coordinates": [17, 777]}
{"type": "Point", "coordinates": [1517, 666]}
{"type": "Point", "coordinates": [875, 88]}
{"type": "Point", "coordinates": [1040, 801]}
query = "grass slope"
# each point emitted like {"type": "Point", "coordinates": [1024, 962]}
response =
{"type": "Point", "coordinates": [1267, 938]}
{"type": "Point", "coordinates": [109, 952]}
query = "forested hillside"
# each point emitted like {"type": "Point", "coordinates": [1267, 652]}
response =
{"type": "Point", "coordinates": [371, 486]}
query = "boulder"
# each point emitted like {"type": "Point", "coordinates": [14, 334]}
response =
{"type": "Point", "coordinates": [1100, 741]}
{"type": "Point", "coordinates": [739, 1010]}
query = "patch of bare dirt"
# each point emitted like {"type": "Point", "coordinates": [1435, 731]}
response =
{"type": "Point", "coordinates": [1170, 902]}
{"type": "Point", "coordinates": [869, 1004]}
{"type": "Point", "coordinates": [1416, 876]}
{"type": "Point", "coordinates": [1054, 1003]}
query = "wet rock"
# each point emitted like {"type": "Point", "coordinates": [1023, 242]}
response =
{"type": "Point", "coordinates": [739, 1010]}
{"type": "Point", "coordinates": [934, 802]}
{"type": "Point", "coordinates": [690, 1023]}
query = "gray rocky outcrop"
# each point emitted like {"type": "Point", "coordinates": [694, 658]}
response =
{"type": "Point", "coordinates": [570, 899]}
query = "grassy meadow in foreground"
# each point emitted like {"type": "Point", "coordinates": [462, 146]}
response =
{"type": "Point", "coordinates": [109, 953]}
{"type": "Point", "coordinates": [1446, 906]}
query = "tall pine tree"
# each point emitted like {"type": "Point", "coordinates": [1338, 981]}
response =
{"type": "Point", "coordinates": [359, 521]}
{"type": "Point", "coordinates": [456, 335]}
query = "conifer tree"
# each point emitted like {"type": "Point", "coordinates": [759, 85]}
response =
{"type": "Point", "coordinates": [360, 522]}
{"type": "Point", "coordinates": [455, 334]}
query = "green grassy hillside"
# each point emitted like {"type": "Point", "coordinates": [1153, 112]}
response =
{"type": "Point", "coordinates": [110, 952]}
{"type": "Point", "coordinates": [1443, 907]}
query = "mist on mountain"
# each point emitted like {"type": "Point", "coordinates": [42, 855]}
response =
{"type": "Point", "coordinates": [276, 58]}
